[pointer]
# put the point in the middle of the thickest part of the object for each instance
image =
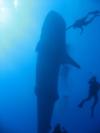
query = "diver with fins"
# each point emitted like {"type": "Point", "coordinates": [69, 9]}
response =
{"type": "Point", "coordinates": [81, 23]}
{"type": "Point", "coordinates": [94, 88]}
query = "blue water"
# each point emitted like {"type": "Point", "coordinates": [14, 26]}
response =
{"type": "Point", "coordinates": [18, 38]}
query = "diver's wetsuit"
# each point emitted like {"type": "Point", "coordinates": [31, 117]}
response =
{"type": "Point", "coordinates": [94, 87]}
{"type": "Point", "coordinates": [83, 22]}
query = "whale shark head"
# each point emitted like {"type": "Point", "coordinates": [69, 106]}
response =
{"type": "Point", "coordinates": [54, 27]}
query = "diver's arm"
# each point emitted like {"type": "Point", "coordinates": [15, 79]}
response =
{"type": "Point", "coordinates": [96, 12]}
{"type": "Point", "coordinates": [70, 61]}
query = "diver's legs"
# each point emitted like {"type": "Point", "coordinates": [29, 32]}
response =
{"type": "Point", "coordinates": [84, 100]}
{"type": "Point", "coordinates": [45, 108]}
{"type": "Point", "coordinates": [90, 20]}
{"type": "Point", "coordinates": [94, 105]}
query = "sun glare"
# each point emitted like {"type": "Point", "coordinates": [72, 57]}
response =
{"type": "Point", "coordinates": [5, 11]}
{"type": "Point", "coordinates": [4, 14]}
{"type": "Point", "coordinates": [15, 3]}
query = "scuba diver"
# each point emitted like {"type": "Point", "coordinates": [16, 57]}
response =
{"type": "Point", "coordinates": [94, 88]}
{"type": "Point", "coordinates": [51, 54]}
{"type": "Point", "coordinates": [81, 23]}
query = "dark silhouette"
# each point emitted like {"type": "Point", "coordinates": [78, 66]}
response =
{"type": "Point", "coordinates": [94, 88]}
{"type": "Point", "coordinates": [81, 23]}
{"type": "Point", "coordinates": [57, 129]}
{"type": "Point", "coordinates": [51, 55]}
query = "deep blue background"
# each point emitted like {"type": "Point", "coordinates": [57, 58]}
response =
{"type": "Point", "coordinates": [18, 39]}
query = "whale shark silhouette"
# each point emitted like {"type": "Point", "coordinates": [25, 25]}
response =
{"type": "Point", "coordinates": [51, 54]}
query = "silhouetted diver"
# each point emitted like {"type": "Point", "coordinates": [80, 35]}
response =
{"type": "Point", "coordinates": [81, 23]}
{"type": "Point", "coordinates": [51, 53]}
{"type": "Point", "coordinates": [93, 93]}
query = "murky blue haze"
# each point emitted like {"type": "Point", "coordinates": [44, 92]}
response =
{"type": "Point", "coordinates": [20, 29]}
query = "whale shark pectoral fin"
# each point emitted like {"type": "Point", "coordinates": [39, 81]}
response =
{"type": "Point", "coordinates": [70, 61]}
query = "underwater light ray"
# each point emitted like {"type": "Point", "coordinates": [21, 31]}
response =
{"type": "Point", "coordinates": [5, 12]}
{"type": "Point", "coordinates": [16, 3]}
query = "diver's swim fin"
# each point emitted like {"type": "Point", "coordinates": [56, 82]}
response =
{"type": "Point", "coordinates": [69, 27]}
{"type": "Point", "coordinates": [70, 61]}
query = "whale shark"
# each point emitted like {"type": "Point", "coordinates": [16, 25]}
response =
{"type": "Point", "coordinates": [51, 54]}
